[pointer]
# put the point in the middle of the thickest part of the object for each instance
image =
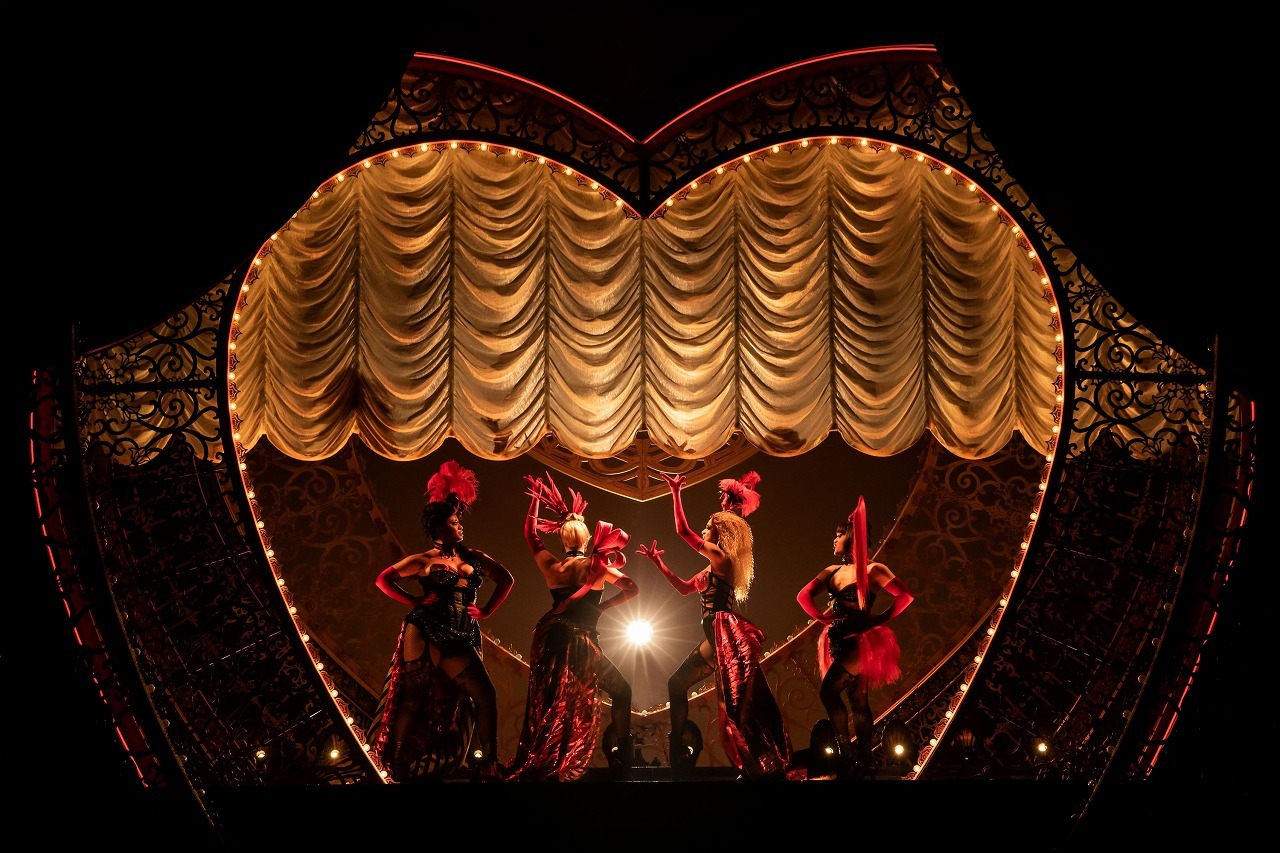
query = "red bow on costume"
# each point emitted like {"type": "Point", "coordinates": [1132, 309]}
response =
{"type": "Point", "coordinates": [608, 544]}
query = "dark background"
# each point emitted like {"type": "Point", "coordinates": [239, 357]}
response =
{"type": "Point", "coordinates": [1116, 132]}
{"type": "Point", "coordinates": [1130, 138]}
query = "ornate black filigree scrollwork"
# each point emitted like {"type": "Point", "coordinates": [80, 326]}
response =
{"type": "Point", "coordinates": [907, 100]}
{"type": "Point", "coordinates": [959, 540]}
{"type": "Point", "coordinates": [1094, 594]}
{"type": "Point", "coordinates": [903, 97]}
{"type": "Point", "coordinates": [438, 99]}
{"type": "Point", "coordinates": [230, 682]}
{"type": "Point", "coordinates": [208, 680]}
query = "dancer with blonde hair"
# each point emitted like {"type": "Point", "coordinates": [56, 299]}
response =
{"type": "Point", "coordinates": [753, 734]}
{"type": "Point", "coordinates": [568, 671]}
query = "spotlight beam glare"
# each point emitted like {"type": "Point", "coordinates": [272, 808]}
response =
{"type": "Point", "coordinates": [639, 632]}
{"type": "Point", "coordinates": [648, 663]}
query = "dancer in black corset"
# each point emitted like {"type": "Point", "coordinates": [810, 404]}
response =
{"type": "Point", "coordinates": [438, 685]}
{"type": "Point", "coordinates": [856, 650]}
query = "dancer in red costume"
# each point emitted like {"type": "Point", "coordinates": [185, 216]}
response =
{"type": "Point", "coordinates": [752, 730]}
{"type": "Point", "coordinates": [568, 671]}
{"type": "Point", "coordinates": [438, 663]}
{"type": "Point", "coordinates": [856, 650]}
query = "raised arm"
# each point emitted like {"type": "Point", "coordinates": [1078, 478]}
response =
{"type": "Point", "coordinates": [531, 518]}
{"type": "Point", "coordinates": [683, 530]}
{"type": "Point", "coordinates": [654, 553]}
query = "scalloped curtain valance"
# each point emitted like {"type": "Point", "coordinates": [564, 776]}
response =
{"type": "Point", "coordinates": [479, 295]}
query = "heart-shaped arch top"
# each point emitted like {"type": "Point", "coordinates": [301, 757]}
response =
{"type": "Point", "coordinates": [483, 294]}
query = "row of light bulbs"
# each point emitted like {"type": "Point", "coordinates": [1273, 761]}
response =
{"type": "Point", "coordinates": [971, 671]}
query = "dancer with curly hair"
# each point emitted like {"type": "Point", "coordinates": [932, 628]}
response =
{"type": "Point", "coordinates": [856, 650]}
{"type": "Point", "coordinates": [437, 687]}
{"type": "Point", "coordinates": [568, 671]}
{"type": "Point", "coordinates": [753, 734]}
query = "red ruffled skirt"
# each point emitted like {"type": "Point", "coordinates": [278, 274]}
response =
{"type": "Point", "coordinates": [877, 649]}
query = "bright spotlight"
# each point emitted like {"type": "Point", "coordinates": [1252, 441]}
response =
{"type": "Point", "coordinates": [639, 632]}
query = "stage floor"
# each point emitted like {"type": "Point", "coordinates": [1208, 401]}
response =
{"type": "Point", "coordinates": [653, 810]}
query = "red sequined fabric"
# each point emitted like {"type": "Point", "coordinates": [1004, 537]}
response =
{"type": "Point", "coordinates": [754, 734]}
{"type": "Point", "coordinates": [561, 727]}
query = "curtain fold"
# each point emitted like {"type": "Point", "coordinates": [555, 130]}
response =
{"type": "Point", "coordinates": [489, 298]}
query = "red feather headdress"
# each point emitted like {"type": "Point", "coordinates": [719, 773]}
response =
{"type": "Point", "coordinates": [858, 522]}
{"type": "Point", "coordinates": [740, 494]}
{"type": "Point", "coordinates": [452, 480]}
{"type": "Point", "coordinates": [549, 494]}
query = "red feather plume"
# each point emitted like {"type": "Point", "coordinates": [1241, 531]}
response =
{"type": "Point", "coordinates": [549, 494]}
{"type": "Point", "coordinates": [858, 518]}
{"type": "Point", "coordinates": [453, 479]}
{"type": "Point", "coordinates": [741, 493]}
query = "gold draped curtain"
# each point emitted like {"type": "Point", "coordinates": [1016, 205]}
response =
{"type": "Point", "coordinates": [484, 296]}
